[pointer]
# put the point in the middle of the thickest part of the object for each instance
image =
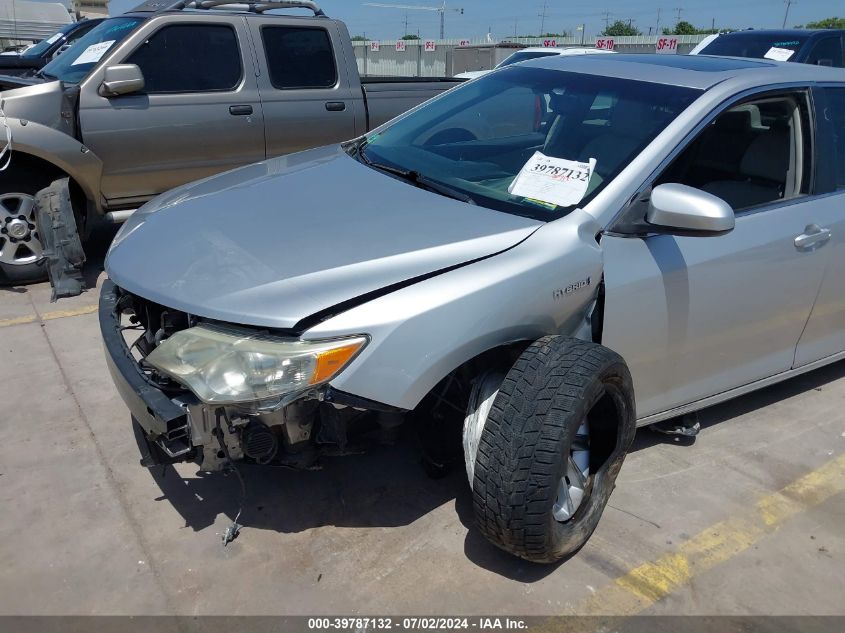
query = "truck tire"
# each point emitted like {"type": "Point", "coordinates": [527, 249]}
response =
{"type": "Point", "coordinates": [21, 260]}
{"type": "Point", "coordinates": [562, 422]}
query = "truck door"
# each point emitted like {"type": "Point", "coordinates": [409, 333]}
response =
{"type": "Point", "coordinates": [695, 317]}
{"type": "Point", "coordinates": [309, 86]}
{"type": "Point", "coordinates": [199, 112]}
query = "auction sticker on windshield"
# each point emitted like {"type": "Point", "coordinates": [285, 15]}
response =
{"type": "Point", "coordinates": [553, 180]}
{"type": "Point", "coordinates": [93, 53]}
{"type": "Point", "coordinates": [779, 54]}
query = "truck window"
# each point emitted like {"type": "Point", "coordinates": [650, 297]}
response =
{"type": "Point", "coordinates": [827, 52]}
{"type": "Point", "coordinates": [836, 115]}
{"type": "Point", "coordinates": [299, 57]}
{"type": "Point", "coordinates": [189, 58]}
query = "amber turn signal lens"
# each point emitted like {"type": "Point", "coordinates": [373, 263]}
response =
{"type": "Point", "coordinates": [332, 361]}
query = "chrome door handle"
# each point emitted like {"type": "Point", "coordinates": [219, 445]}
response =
{"type": "Point", "coordinates": [812, 238]}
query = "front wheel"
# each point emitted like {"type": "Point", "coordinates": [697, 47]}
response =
{"type": "Point", "coordinates": [551, 447]}
{"type": "Point", "coordinates": [21, 250]}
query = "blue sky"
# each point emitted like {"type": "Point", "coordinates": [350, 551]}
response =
{"type": "Point", "coordinates": [500, 15]}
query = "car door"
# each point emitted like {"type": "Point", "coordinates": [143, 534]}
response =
{"type": "Point", "coordinates": [199, 112]}
{"type": "Point", "coordinates": [308, 97]}
{"type": "Point", "coordinates": [698, 316]}
{"type": "Point", "coordinates": [824, 335]}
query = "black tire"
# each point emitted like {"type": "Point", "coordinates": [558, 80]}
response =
{"type": "Point", "coordinates": [556, 383]}
{"type": "Point", "coordinates": [13, 274]}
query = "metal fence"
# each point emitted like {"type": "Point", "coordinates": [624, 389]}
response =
{"type": "Point", "coordinates": [382, 58]}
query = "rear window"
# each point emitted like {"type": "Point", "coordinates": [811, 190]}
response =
{"type": "Point", "coordinates": [299, 57]}
{"type": "Point", "coordinates": [758, 45]}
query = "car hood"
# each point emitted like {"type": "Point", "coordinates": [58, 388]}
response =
{"type": "Point", "coordinates": [273, 243]}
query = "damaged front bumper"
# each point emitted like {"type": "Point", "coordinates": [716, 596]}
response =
{"type": "Point", "coordinates": [160, 423]}
{"type": "Point", "coordinates": [172, 425]}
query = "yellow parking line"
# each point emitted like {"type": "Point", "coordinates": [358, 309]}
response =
{"type": "Point", "coordinates": [48, 316]}
{"type": "Point", "coordinates": [647, 584]}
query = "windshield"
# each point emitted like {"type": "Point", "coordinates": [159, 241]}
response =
{"type": "Point", "coordinates": [522, 56]}
{"type": "Point", "coordinates": [478, 138]}
{"type": "Point", "coordinates": [76, 62]}
{"type": "Point", "coordinates": [39, 49]}
{"type": "Point", "coordinates": [757, 45]}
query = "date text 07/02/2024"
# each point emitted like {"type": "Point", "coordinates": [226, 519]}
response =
{"type": "Point", "coordinates": [416, 624]}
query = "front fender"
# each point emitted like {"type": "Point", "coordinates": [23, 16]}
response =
{"type": "Point", "coordinates": [61, 150]}
{"type": "Point", "coordinates": [421, 333]}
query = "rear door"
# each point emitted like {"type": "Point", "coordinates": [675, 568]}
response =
{"type": "Point", "coordinates": [824, 335]}
{"type": "Point", "coordinates": [307, 94]}
{"type": "Point", "coordinates": [199, 113]}
{"type": "Point", "coordinates": [698, 316]}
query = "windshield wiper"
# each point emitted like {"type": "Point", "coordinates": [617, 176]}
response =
{"type": "Point", "coordinates": [414, 177]}
{"type": "Point", "coordinates": [44, 75]}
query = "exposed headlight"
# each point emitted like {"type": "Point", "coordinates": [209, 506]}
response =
{"type": "Point", "coordinates": [227, 365]}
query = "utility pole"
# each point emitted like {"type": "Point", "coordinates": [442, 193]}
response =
{"type": "Point", "coordinates": [442, 9]}
{"type": "Point", "coordinates": [606, 19]}
{"type": "Point", "coordinates": [679, 10]}
{"type": "Point", "coordinates": [515, 27]}
{"type": "Point", "coordinates": [657, 27]}
{"type": "Point", "coordinates": [543, 18]}
{"type": "Point", "coordinates": [788, 3]}
{"type": "Point", "coordinates": [405, 32]}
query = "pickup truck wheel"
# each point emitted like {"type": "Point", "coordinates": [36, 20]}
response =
{"type": "Point", "coordinates": [551, 448]}
{"type": "Point", "coordinates": [20, 245]}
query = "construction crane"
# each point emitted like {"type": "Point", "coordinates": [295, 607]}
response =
{"type": "Point", "coordinates": [442, 9]}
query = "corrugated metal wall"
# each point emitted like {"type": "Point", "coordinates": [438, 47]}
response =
{"type": "Point", "coordinates": [23, 20]}
{"type": "Point", "coordinates": [414, 61]}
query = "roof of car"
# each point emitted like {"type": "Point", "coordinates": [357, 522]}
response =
{"type": "Point", "coordinates": [692, 71]}
{"type": "Point", "coordinates": [783, 32]}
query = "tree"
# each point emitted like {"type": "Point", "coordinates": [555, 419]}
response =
{"type": "Point", "coordinates": [827, 23]}
{"type": "Point", "coordinates": [359, 38]}
{"type": "Point", "coordinates": [620, 28]}
{"type": "Point", "coordinates": [684, 28]}
{"type": "Point", "coordinates": [410, 37]}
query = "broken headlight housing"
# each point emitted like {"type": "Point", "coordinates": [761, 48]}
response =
{"type": "Point", "coordinates": [229, 365]}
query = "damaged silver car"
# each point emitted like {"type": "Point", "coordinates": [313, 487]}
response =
{"type": "Point", "coordinates": [539, 262]}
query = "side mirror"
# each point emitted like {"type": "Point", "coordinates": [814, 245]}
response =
{"type": "Point", "coordinates": [122, 79]}
{"type": "Point", "coordinates": [682, 210]}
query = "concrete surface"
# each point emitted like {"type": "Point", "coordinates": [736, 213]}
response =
{"type": "Point", "coordinates": [698, 528]}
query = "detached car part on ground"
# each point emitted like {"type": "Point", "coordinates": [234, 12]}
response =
{"type": "Point", "coordinates": [539, 262]}
{"type": "Point", "coordinates": [125, 113]}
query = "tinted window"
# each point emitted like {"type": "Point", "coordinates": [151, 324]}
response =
{"type": "Point", "coordinates": [476, 139]}
{"type": "Point", "coordinates": [753, 44]}
{"type": "Point", "coordinates": [836, 115]}
{"type": "Point", "coordinates": [74, 64]}
{"type": "Point", "coordinates": [46, 44]}
{"type": "Point", "coordinates": [828, 52]}
{"type": "Point", "coordinates": [189, 58]}
{"type": "Point", "coordinates": [299, 57]}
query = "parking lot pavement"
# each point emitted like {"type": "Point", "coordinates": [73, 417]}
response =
{"type": "Point", "coordinates": [745, 520]}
